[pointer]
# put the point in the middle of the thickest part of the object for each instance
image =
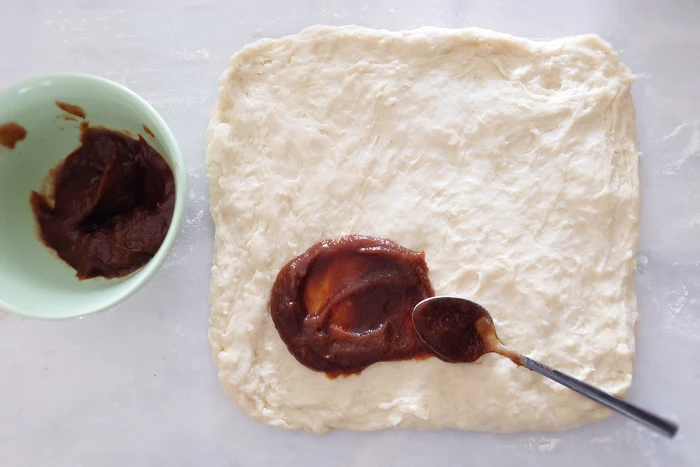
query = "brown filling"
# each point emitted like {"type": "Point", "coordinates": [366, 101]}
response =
{"type": "Point", "coordinates": [71, 109]}
{"type": "Point", "coordinates": [148, 130]}
{"type": "Point", "coordinates": [455, 329]}
{"type": "Point", "coordinates": [111, 207]}
{"type": "Point", "coordinates": [11, 134]}
{"type": "Point", "coordinates": [344, 305]}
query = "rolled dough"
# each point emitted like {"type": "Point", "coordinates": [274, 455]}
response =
{"type": "Point", "coordinates": [511, 163]}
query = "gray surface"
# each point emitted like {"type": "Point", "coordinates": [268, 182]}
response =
{"type": "Point", "coordinates": [135, 385]}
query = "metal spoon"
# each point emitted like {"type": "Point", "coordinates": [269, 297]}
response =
{"type": "Point", "coordinates": [459, 330]}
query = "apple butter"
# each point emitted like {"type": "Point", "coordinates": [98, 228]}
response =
{"type": "Point", "coordinates": [111, 206]}
{"type": "Point", "coordinates": [344, 305]}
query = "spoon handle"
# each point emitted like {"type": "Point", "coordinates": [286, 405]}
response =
{"type": "Point", "coordinates": [665, 427]}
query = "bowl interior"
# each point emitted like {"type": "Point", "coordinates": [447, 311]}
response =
{"type": "Point", "coordinates": [33, 280]}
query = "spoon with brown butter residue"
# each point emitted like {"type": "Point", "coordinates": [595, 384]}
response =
{"type": "Point", "coordinates": [459, 330]}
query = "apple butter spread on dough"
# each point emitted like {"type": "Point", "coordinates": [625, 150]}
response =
{"type": "Point", "coordinates": [344, 305]}
{"type": "Point", "coordinates": [111, 206]}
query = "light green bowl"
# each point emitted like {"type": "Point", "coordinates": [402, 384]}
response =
{"type": "Point", "coordinates": [34, 282]}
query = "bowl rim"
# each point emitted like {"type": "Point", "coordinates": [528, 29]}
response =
{"type": "Point", "coordinates": [140, 277]}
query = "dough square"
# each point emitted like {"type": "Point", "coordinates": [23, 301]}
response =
{"type": "Point", "coordinates": [512, 163]}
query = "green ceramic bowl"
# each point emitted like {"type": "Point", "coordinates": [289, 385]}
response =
{"type": "Point", "coordinates": [34, 282]}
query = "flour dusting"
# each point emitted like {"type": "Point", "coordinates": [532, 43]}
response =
{"type": "Point", "coordinates": [687, 136]}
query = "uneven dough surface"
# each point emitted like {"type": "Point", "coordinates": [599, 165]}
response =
{"type": "Point", "coordinates": [511, 163]}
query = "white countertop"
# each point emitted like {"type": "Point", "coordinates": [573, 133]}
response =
{"type": "Point", "coordinates": [135, 386]}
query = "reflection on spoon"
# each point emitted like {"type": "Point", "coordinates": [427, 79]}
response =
{"type": "Point", "coordinates": [460, 330]}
